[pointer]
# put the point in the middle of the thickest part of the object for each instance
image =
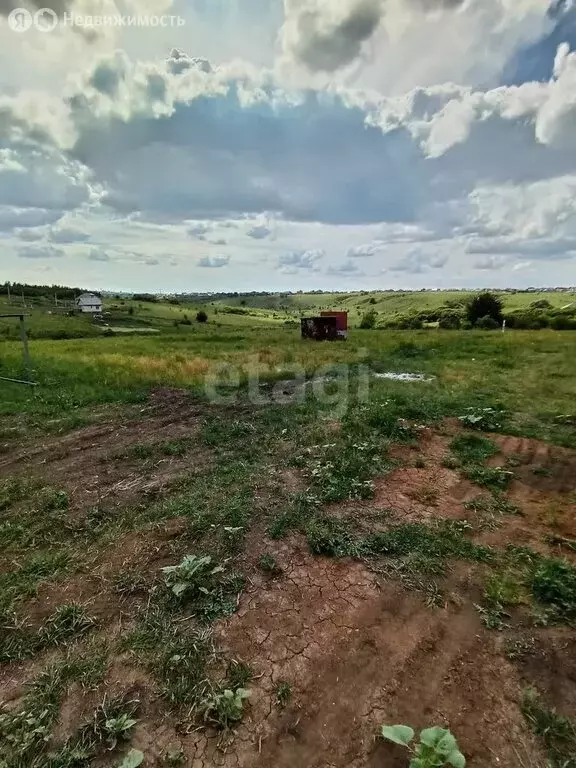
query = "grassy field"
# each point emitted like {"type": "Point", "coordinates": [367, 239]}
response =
{"type": "Point", "coordinates": [208, 561]}
{"type": "Point", "coordinates": [47, 321]}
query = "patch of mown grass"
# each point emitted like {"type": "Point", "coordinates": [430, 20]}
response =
{"type": "Point", "coordinates": [525, 576]}
{"type": "Point", "coordinates": [34, 516]}
{"type": "Point", "coordinates": [177, 447]}
{"type": "Point", "coordinates": [502, 591]}
{"type": "Point", "coordinates": [301, 508]}
{"type": "Point", "coordinates": [557, 733]}
{"type": "Point", "coordinates": [343, 468]}
{"type": "Point", "coordinates": [283, 693]}
{"type": "Point", "coordinates": [15, 489]}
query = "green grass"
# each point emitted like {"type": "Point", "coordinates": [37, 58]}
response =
{"type": "Point", "coordinates": [68, 622]}
{"type": "Point", "coordinates": [25, 731]}
{"type": "Point", "coordinates": [336, 447]}
{"type": "Point", "coordinates": [472, 448]}
{"type": "Point", "coordinates": [283, 693]}
{"type": "Point", "coordinates": [494, 478]}
{"type": "Point", "coordinates": [75, 375]}
{"type": "Point", "coordinates": [177, 655]}
{"type": "Point", "coordinates": [557, 733]}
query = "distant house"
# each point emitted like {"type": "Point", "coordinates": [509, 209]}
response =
{"type": "Point", "coordinates": [89, 303]}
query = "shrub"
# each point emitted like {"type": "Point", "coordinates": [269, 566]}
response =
{"type": "Point", "coordinates": [554, 583]}
{"type": "Point", "coordinates": [145, 297]}
{"type": "Point", "coordinates": [482, 305]}
{"type": "Point", "coordinates": [449, 321]}
{"type": "Point", "coordinates": [201, 317]}
{"type": "Point", "coordinates": [563, 323]}
{"type": "Point", "coordinates": [487, 323]}
{"type": "Point", "coordinates": [369, 320]}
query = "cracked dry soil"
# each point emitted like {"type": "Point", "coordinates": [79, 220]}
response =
{"type": "Point", "coordinates": [357, 654]}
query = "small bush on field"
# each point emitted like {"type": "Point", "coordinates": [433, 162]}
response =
{"type": "Point", "coordinates": [369, 320]}
{"type": "Point", "coordinates": [450, 321]}
{"type": "Point", "coordinates": [201, 317]}
{"type": "Point", "coordinates": [410, 349]}
{"type": "Point", "coordinates": [437, 747]}
{"type": "Point", "coordinates": [224, 707]}
{"type": "Point", "coordinates": [487, 323]}
{"type": "Point", "coordinates": [484, 305]}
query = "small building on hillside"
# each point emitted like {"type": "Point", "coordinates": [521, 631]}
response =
{"type": "Point", "coordinates": [330, 326]}
{"type": "Point", "coordinates": [90, 303]}
{"type": "Point", "coordinates": [341, 322]}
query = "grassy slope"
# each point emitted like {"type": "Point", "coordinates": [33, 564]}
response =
{"type": "Point", "coordinates": [270, 311]}
{"type": "Point", "coordinates": [513, 367]}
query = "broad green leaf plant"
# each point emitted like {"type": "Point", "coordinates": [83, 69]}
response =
{"type": "Point", "coordinates": [194, 574]}
{"type": "Point", "coordinates": [437, 746]}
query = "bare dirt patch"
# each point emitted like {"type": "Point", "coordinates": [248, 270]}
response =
{"type": "Point", "coordinates": [540, 465]}
{"type": "Point", "coordinates": [98, 466]}
{"type": "Point", "coordinates": [143, 552]}
{"type": "Point", "coordinates": [355, 654]}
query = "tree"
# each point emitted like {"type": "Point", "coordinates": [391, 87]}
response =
{"type": "Point", "coordinates": [482, 305]}
{"type": "Point", "coordinates": [201, 317]}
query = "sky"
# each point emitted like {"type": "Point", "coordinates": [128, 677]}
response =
{"type": "Point", "coordinates": [239, 145]}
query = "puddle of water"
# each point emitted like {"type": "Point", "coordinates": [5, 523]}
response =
{"type": "Point", "coordinates": [404, 376]}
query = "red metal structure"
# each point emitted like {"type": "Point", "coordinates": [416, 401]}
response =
{"type": "Point", "coordinates": [341, 322]}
